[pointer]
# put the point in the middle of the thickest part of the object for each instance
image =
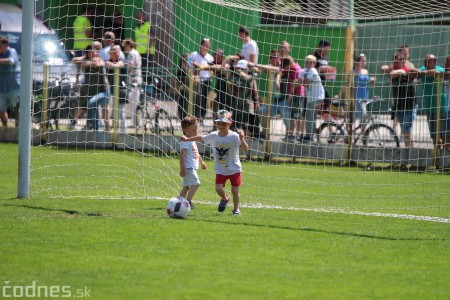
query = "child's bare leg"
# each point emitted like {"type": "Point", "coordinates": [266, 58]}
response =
{"type": "Point", "coordinates": [298, 126]}
{"type": "Point", "coordinates": [235, 192]}
{"type": "Point", "coordinates": [221, 191]}
{"type": "Point", "coordinates": [290, 131]}
{"type": "Point", "coordinates": [301, 126]}
{"type": "Point", "coordinates": [191, 193]}
{"type": "Point", "coordinates": [184, 192]}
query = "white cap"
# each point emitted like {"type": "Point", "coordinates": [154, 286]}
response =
{"type": "Point", "coordinates": [242, 64]}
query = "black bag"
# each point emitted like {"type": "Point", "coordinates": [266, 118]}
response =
{"type": "Point", "coordinates": [253, 124]}
{"type": "Point", "coordinates": [123, 95]}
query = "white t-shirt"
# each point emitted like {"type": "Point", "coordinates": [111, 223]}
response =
{"type": "Point", "coordinates": [248, 48]}
{"type": "Point", "coordinates": [104, 54]}
{"type": "Point", "coordinates": [315, 89]}
{"type": "Point", "coordinates": [133, 62]}
{"type": "Point", "coordinates": [192, 155]}
{"type": "Point", "coordinates": [202, 61]}
{"type": "Point", "coordinates": [226, 152]}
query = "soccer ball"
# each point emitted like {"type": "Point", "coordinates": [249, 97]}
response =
{"type": "Point", "coordinates": [178, 207]}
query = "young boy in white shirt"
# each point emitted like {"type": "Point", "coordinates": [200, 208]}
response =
{"type": "Point", "coordinates": [189, 160]}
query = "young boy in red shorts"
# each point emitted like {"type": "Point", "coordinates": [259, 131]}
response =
{"type": "Point", "coordinates": [225, 145]}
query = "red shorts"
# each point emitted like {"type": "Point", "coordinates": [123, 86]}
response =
{"type": "Point", "coordinates": [235, 179]}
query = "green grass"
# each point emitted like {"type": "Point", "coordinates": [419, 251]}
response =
{"type": "Point", "coordinates": [130, 249]}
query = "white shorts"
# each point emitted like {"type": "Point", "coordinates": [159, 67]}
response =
{"type": "Point", "coordinates": [9, 99]}
{"type": "Point", "coordinates": [191, 178]}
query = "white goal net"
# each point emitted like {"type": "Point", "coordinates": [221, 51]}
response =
{"type": "Point", "coordinates": [343, 103]}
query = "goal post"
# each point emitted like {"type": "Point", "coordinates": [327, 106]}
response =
{"type": "Point", "coordinates": [23, 187]}
{"type": "Point", "coordinates": [283, 168]}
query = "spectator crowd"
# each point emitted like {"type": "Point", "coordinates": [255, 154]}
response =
{"type": "Point", "coordinates": [297, 88]}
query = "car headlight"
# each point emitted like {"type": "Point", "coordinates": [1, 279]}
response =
{"type": "Point", "coordinates": [50, 47]}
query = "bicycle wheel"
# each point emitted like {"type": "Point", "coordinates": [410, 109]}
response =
{"type": "Point", "coordinates": [380, 135]}
{"type": "Point", "coordinates": [331, 133]}
{"type": "Point", "coordinates": [163, 122]}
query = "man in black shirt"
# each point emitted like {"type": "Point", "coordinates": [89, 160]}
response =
{"type": "Point", "coordinates": [322, 65]}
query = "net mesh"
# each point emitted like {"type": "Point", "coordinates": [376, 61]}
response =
{"type": "Point", "coordinates": [338, 9]}
{"type": "Point", "coordinates": [370, 171]}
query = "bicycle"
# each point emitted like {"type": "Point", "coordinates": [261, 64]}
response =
{"type": "Point", "coordinates": [59, 95]}
{"type": "Point", "coordinates": [150, 116]}
{"type": "Point", "coordinates": [372, 132]}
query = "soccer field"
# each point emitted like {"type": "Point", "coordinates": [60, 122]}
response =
{"type": "Point", "coordinates": [110, 248]}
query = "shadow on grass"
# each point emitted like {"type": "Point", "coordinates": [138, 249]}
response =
{"type": "Point", "coordinates": [305, 229]}
{"type": "Point", "coordinates": [316, 230]}
{"type": "Point", "coordinates": [67, 211]}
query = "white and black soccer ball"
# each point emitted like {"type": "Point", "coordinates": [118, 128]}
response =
{"type": "Point", "coordinates": [178, 207]}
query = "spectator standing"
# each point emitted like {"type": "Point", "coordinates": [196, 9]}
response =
{"type": "Point", "coordinates": [112, 64]}
{"type": "Point", "coordinates": [108, 42]}
{"type": "Point", "coordinates": [225, 145]}
{"type": "Point", "coordinates": [133, 63]}
{"type": "Point", "coordinates": [362, 81]}
{"type": "Point", "coordinates": [279, 104]}
{"type": "Point", "coordinates": [182, 86]}
{"type": "Point", "coordinates": [82, 30]}
{"type": "Point", "coordinates": [404, 96]}
{"type": "Point", "coordinates": [428, 74]}
{"type": "Point", "coordinates": [405, 52]}
{"type": "Point", "coordinates": [250, 53]}
{"type": "Point", "coordinates": [9, 80]}
{"type": "Point", "coordinates": [240, 85]}
{"type": "Point", "coordinates": [293, 95]}
{"type": "Point", "coordinates": [95, 88]}
{"type": "Point", "coordinates": [190, 160]}
{"type": "Point", "coordinates": [222, 100]}
{"type": "Point", "coordinates": [202, 62]}
{"type": "Point", "coordinates": [144, 38]}
{"type": "Point", "coordinates": [322, 65]}
{"type": "Point", "coordinates": [309, 77]}
{"type": "Point", "coordinates": [447, 93]}
{"type": "Point", "coordinates": [81, 107]}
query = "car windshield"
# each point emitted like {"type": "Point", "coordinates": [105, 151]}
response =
{"type": "Point", "coordinates": [47, 48]}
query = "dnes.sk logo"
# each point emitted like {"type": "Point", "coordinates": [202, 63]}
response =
{"type": "Point", "coordinates": [34, 290]}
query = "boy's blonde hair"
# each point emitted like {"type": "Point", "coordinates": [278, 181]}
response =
{"type": "Point", "coordinates": [311, 58]}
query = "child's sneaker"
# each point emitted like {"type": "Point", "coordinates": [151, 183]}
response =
{"type": "Point", "coordinates": [191, 204]}
{"type": "Point", "coordinates": [236, 212]}
{"type": "Point", "coordinates": [223, 204]}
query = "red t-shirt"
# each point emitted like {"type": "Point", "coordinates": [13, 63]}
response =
{"type": "Point", "coordinates": [293, 73]}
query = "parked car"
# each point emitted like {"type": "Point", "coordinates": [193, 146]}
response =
{"type": "Point", "coordinates": [48, 48]}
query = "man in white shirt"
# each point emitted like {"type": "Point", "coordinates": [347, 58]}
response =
{"type": "Point", "coordinates": [202, 60]}
{"type": "Point", "coordinates": [108, 41]}
{"type": "Point", "coordinates": [250, 53]}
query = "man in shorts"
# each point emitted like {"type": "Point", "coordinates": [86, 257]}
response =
{"type": "Point", "coordinates": [9, 80]}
